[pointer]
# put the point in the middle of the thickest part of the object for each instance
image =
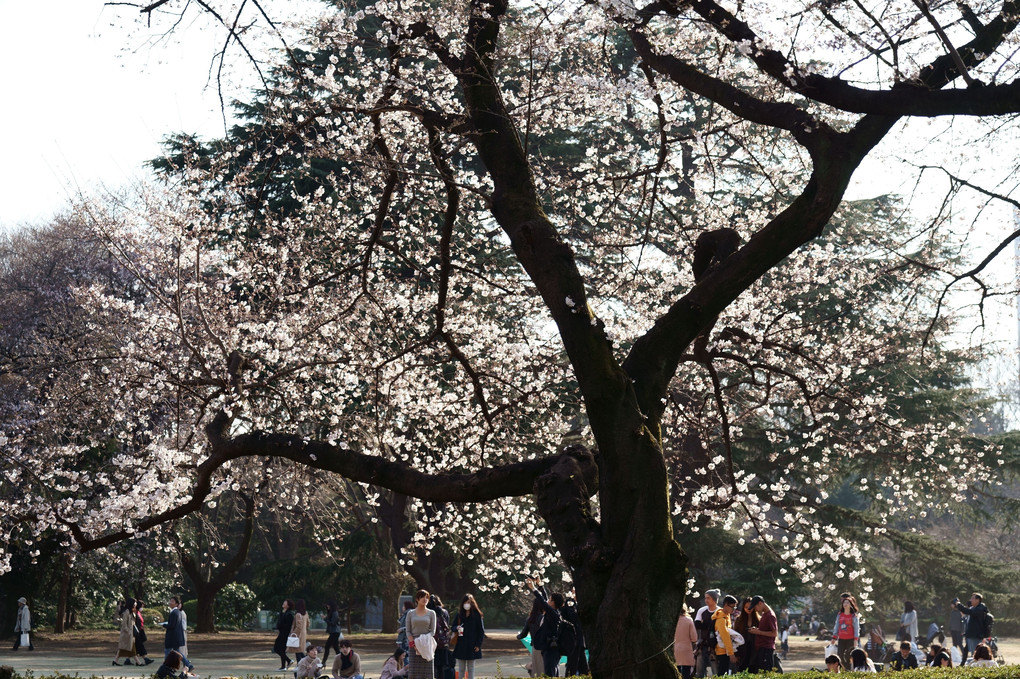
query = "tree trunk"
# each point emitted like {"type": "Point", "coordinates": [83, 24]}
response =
{"type": "Point", "coordinates": [393, 587]}
{"type": "Point", "coordinates": [629, 573]}
{"type": "Point", "coordinates": [65, 593]}
{"type": "Point", "coordinates": [206, 608]}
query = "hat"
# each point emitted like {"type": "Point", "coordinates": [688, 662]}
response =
{"type": "Point", "coordinates": [714, 593]}
{"type": "Point", "coordinates": [755, 600]}
{"type": "Point", "coordinates": [22, 600]}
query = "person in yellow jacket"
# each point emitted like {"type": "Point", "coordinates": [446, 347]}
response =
{"type": "Point", "coordinates": [724, 651]}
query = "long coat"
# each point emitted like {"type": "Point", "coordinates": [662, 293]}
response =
{"type": "Point", "coordinates": [126, 642]}
{"type": "Point", "coordinates": [174, 637]}
{"type": "Point", "coordinates": [300, 628]}
{"type": "Point", "coordinates": [474, 635]}
{"type": "Point", "coordinates": [283, 627]}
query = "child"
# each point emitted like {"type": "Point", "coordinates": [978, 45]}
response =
{"type": "Point", "coordinates": [784, 640]}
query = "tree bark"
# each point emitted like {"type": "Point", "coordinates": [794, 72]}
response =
{"type": "Point", "coordinates": [65, 593]}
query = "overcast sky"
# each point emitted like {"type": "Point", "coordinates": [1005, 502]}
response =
{"type": "Point", "coordinates": [87, 99]}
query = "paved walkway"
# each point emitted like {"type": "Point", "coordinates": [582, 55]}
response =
{"type": "Point", "coordinates": [259, 663]}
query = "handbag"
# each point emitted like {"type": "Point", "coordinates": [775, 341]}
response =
{"type": "Point", "coordinates": [736, 638]}
{"type": "Point", "coordinates": [25, 640]}
{"type": "Point", "coordinates": [293, 641]}
{"type": "Point", "coordinates": [453, 640]}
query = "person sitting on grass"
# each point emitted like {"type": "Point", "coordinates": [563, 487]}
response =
{"type": "Point", "coordinates": [904, 660]}
{"type": "Point", "coordinates": [309, 666]}
{"type": "Point", "coordinates": [348, 663]}
{"type": "Point", "coordinates": [394, 666]}
{"type": "Point", "coordinates": [982, 657]}
{"type": "Point", "coordinates": [173, 666]}
{"type": "Point", "coordinates": [860, 662]}
{"type": "Point", "coordinates": [832, 663]}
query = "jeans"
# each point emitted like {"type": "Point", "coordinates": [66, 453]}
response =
{"type": "Point", "coordinates": [705, 659]}
{"type": "Point", "coordinates": [686, 671]}
{"type": "Point", "coordinates": [723, 665]}
{"type": "Point", "coordinates": [972, 644]}
{"type": "Point", "coordinates": [184, 658]}
{"type": "Point", "coordinates": [466, 668]}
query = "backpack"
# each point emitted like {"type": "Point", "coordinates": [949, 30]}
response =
{"type": "Point", "coordinates": [986, 628]}
{"type": "Point", "coordinates": [442, 635]}
{"type": "Point", "coordinates": [564, 638]}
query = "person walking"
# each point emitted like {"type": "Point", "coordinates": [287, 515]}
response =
{"type": "Point", "coordinates": [173, 639]}
{"type": "Point", "coordinates": [284, 624]}
{"type": "Point", "coordinates": [126, 639]}
{"type": "Point", "coordinates": [420, 620]}
{"type": "Point", "coordinates": [846, 632]}
{"type": "Point", "coordinates": [470, 630]}
{"type": "Point", "coordinates": [300, 627]}
{"type": "Point", "coordinates": [140, 636]}
{"type": "Point", "coordinates": [685, 636]}
{"type": "Point", "coordinates": [333, 630]}
{"type": "Point", "coordinates": [23, 626]}
{"type": "Point", "coordinates": [977, 621]}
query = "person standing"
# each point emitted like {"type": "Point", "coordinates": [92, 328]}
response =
{"type": "Point", "coordinates": [764, 636]}
{"type": "Point", "coordinates": [684, 639]}
{"type": "Point", "coordinates": [23, 625]}
{"type": "Point", "coordinates": [333, 630]}
{"type": "Point", "coordinates": [577, 661]}
{"type": "Point", "coordinates": [746, 619]}
{"type": "Point", "coordinates": [706, 633]}
{"type": "Point", "coordinates": [956, 627]}
{"type": "Point", "coordinates": [284, 624]}
{"type": "Point", "coordinates": [908, 622]}
{"type": "Point", "coordinates": [846, 632]}
{"type": "Point", "coordinates": [547, 640]}
{"type": "Point", "coordinates": [977, 614]}
{"type": "Point", "coordinates": [300, 628]}
{"type": "Point", "coordinates": [443, 632]}
{"type": "Point", "coordinates": [530, 629]}
{"type": "Point", "coordinates": [470, 635]}
{"type": "Point", "coordinates": [725, 654]}
{"type": "Point", "coordinates": [418, 621]}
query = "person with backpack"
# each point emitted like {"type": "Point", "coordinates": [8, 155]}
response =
{"type": "Point", "coordinates": [977, 624]}
{"type": "Point", "coordinates": [442, 663]}
{"type": "Point", "coordinates": [706, 634]}
{"type": "Point", "coordinates": [552, 634]}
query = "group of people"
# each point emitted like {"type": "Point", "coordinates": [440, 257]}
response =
{"type": "Point", "coordinates": [131, 642]}
{"type": "Point", "coordinates": [974, 624]}
{"type": "Point", "coordinates": [555, 631]}
{"type": "Point", "coordinates": [728, 636]}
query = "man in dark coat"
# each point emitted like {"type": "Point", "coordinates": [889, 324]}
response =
{"type": "Point", "coordinates": [577, 661]}
{"type": "Point", "coordinates": [173, 640]}
{"type": "Point", "coordinates": [976, 623]}
{"type": "Point", "coordinates": [547, 638]}
{"type": "Point", "coordinates": [905, 659]}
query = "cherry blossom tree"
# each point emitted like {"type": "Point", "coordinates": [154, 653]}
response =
{"type": "Point", "coordinates": [560, 252]}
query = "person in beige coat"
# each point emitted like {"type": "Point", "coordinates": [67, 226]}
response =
{"type": "Point", "coordinates": [300, 627]}
{"type": "Point", "coordinates": [684, 639]}
{"type": "Point", "coordinates": [126, 640]}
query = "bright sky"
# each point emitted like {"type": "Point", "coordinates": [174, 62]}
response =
{"type": "Point", "coordinates": [87, 101]}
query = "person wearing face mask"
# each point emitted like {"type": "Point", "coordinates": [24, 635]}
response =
{"type": "Point", "coordinates": [470, 632]}
{"type": "Point", "coordinates": [347, 664]}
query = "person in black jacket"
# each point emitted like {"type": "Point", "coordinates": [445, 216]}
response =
{"type": "Point", "coordinates": [977, 611]}
{"type": "Point", "coordinates": [530, 629]}
{"type": "Point", "coordinates": [905, 659]}
{"type": "Point", "coordinates": [470, 628]}
{"type": "Point", "coordinates": [545, 641]}
{"type": "Point", "coordinates": [283, 626]}
{"type": "Point", "coordinates": [577, 661]}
